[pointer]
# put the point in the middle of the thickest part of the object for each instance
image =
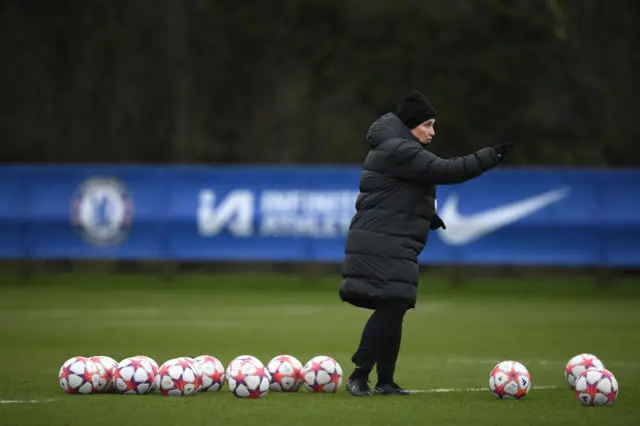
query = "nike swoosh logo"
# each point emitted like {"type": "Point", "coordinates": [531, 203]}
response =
{"type": "Point", "coordinates": [465, 229]}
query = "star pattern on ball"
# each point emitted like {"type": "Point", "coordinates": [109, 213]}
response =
{"type": "Point", "coordinates": [569, 370]}
{"type": "Point", "coordinates": [239, 375]}
{"type": "Point", "coordinates": [87, 376]}
{"type": "Point", "coordinates": [179, 384]}
{"type": "Point", "coordinates": [515, 376]}
{"type": "Point", "coordinates": [138, 363]}
{"type": "Point", "coordinates": [216, 376]}
{"type": "Point", "coordinates": [316, 366]}
{"type": "Point", "coordinates": [587, 362]}
{"type": "Point", "coordinates": [65, 373]}
{"type": "Point", "coordinates": [512, 374]}
{"type": "Point", "coordinates": [262, 373]}
{"type": "Point", "coordinates": [592, 390]}
{"type": "Point", "coordinates": [131, 385]}
{"type": "Point", "coordinates": [335, 379]}
{"type": "Point", "coordinates": [185, 364]}
{"type": "Point", "coordinates": [278, 376]}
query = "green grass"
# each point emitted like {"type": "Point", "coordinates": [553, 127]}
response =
{"type": "Point", "coordinates": [452, 340]}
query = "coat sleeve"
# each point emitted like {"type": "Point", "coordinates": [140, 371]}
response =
{"type": "Point", "coordinates": [421, 166]}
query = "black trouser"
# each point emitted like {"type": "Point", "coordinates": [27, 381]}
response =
{"type": "Point", "coordinates": [380, 342]}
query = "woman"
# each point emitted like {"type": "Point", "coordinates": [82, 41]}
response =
{"type": "Point", "coordinates": [395, 210]}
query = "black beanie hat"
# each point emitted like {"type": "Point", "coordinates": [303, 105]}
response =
{"type": "Point", "coordinates": [415, 109]}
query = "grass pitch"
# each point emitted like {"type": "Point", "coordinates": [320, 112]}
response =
{"type": "Point", "coordinates": [450, 343]}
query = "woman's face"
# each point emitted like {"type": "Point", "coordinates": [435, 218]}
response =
{"type": "Point", "coordinates": [424, 132]}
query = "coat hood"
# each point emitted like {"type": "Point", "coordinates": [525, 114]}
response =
{"type": "Point", "coordinates": [389, 126]}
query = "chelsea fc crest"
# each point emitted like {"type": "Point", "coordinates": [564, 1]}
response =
{"type": "Point", "coordinates": [102, 211]}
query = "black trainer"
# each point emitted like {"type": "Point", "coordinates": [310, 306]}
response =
{"type": "Point", "coordinates": [390, 389]}
{"type": "Point", "coordinates": [358, 387]}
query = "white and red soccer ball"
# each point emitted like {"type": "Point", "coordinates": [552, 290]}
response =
{"type": "Point", "coordinates": [106, 367]}
{"type": "Point", "coordinates": [286, 373]}
{"type": "Point", "coordinates": [596, 387]}
{"type": "Point", "coordinates": [248, 378]}
{"type": "Point", "coordinates": [134, 376]}
{"type": "Point", "coordinates": [322, 374]}
{"type": "Point", "coordinates": [509, 380]}
{"type": "Point", "coordinates": [178, 377]}
{"type": "Point", "coordinates": [578, 364]}
{"type": "Point", "coordinates": [212, 373]}
{"type": "Point", "coordinates": [79, 375]}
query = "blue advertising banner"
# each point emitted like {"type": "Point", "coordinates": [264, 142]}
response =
{"type": "Point", "coordinates": [302, 213]}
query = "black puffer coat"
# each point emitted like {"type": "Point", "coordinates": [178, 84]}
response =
{"type": "Point", "coordinates": [394, 211]}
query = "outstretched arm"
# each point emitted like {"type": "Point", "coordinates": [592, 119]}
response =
{"type": "Point", "coordinates": [418, 165]}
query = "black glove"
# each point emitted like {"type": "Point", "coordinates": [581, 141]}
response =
{"type": "Point", "coordinates": [436, 222]}
{"type": "Point", "coordinates": [501, 149]}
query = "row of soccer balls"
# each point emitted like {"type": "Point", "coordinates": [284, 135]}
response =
{"type": "Point", "coordinates": [593, 384]}
{"type": "Point", "coordinates": [246, 375]}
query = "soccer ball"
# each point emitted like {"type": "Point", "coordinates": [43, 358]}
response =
{"type": "Point", "coordinates": [596, 387]}
{"type": "Point", "coordinates": [509, 380]}
{"type": "Point", "coordinates": [154, 366]}
{"type": "Point", "coordinates": [79, 375]}
{"type": "Point", "coordinates": [177, 377]}
{"type": "Point", "coordinates": [248, 379]}
{"type": "Point", "coordinates": [213, 374]}
{"type": "Point", "coordinates": [322, 374]}
{"type": "Point", "coordinates": [134, 376]}
{"type": "Point", "coordinates": [578, 364]}
{"type": "Point", "coordinates": [106, 366]}
{"type": "Point", "coordinates": [286, 373]}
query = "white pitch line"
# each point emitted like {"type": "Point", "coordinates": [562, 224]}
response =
{"type": "Point", "coordinates": [445, 390]}
{"type": "Point", "coordinates": [24, 401]}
